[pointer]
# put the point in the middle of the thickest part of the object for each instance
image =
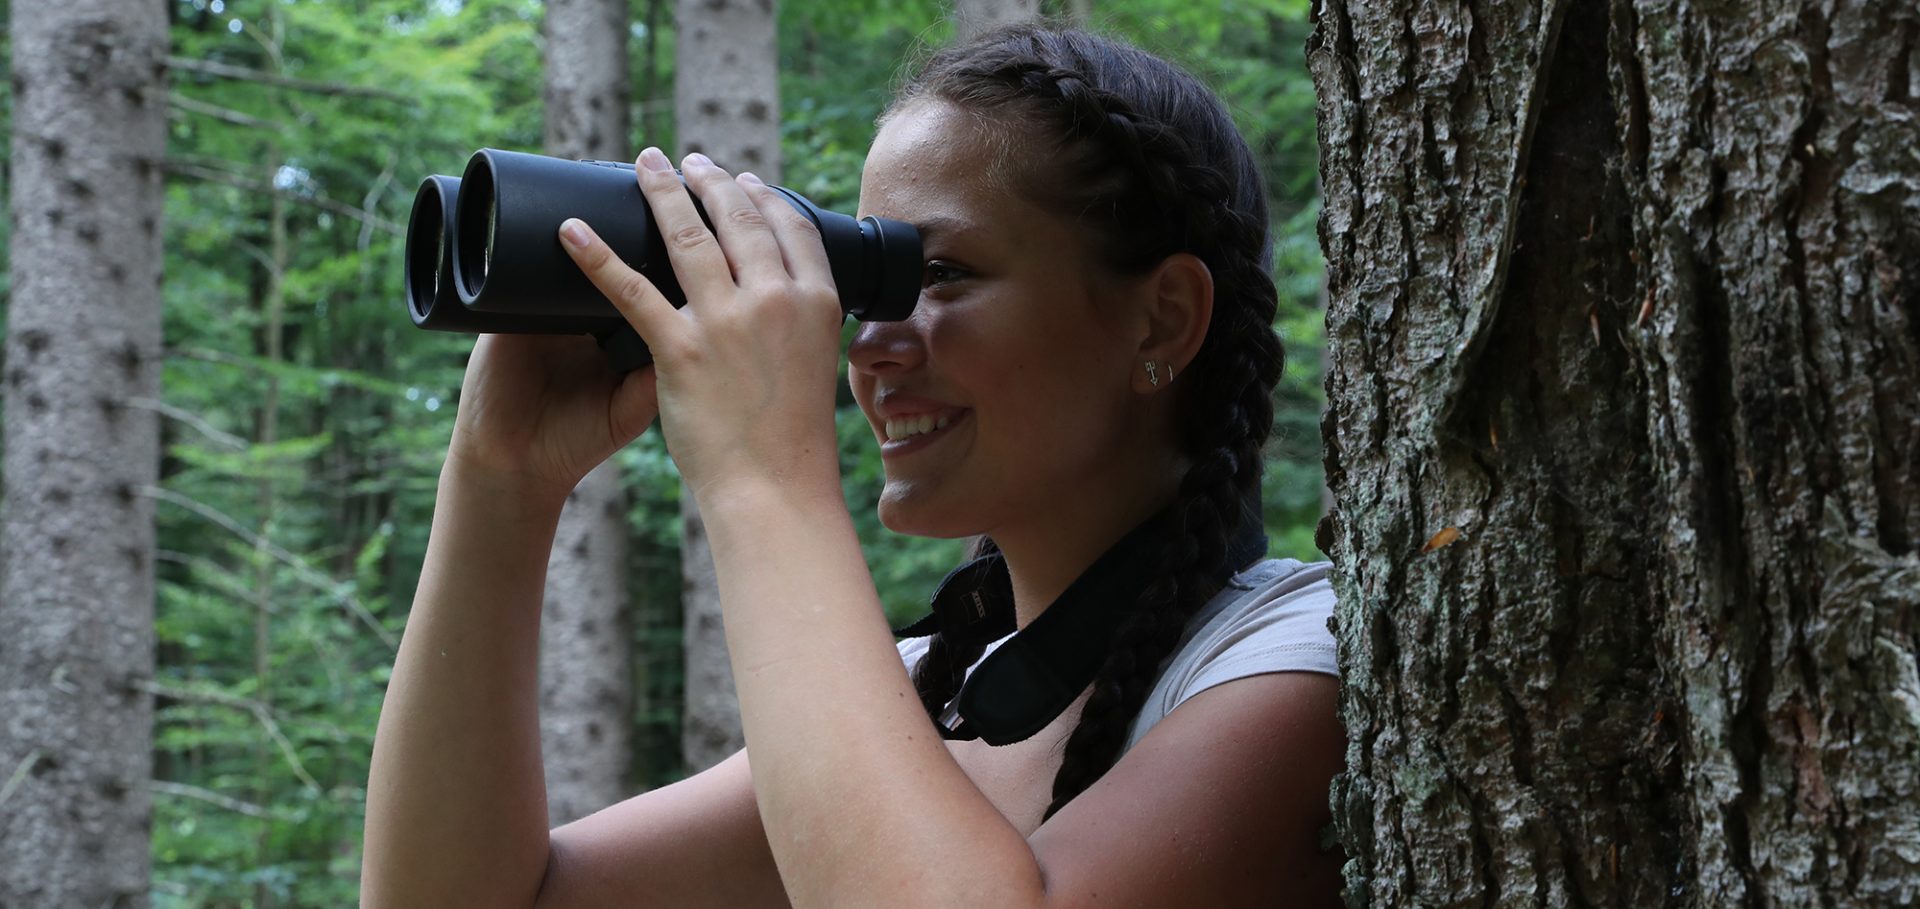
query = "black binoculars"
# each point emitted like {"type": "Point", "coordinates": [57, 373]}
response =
{"type": "Point", "coordinates": [483, 252]}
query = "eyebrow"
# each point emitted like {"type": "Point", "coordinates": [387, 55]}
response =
{"type": "Point", "coordinates": [941, 225]}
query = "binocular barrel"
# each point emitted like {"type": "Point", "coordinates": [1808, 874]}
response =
{"type": "Point", "coordinates": [483, 251]}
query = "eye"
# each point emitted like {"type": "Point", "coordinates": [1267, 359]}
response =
{"type": "Point", "coordinates": [939, 273]}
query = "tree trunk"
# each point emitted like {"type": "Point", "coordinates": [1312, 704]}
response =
{"type": "Point", "coordinates": [726, 105]}
{"type": "Point", "coordinates": [972, 17]}
{"type": "Point", "coordinates": [1624, 434]}
{"type": "Point", "coordinates": [270, 347]}
{"type": "Point", "coordinates": [586, 652]}
{"type": "Point", "coordinates": [586, 640]}
{"type": "Point", "coordinates": [77, 538]}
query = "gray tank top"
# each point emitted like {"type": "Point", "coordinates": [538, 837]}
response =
{"type": "Point", "coordinates": [1270, 618]}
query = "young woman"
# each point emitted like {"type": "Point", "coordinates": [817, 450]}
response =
{"type": "Point", "coordinates": [1090, 361]}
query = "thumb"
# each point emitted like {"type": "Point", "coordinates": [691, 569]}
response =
{"type": "Point", "coordinates": [633, 405]}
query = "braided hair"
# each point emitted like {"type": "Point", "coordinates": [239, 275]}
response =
{"type": "Point", "coordinates": [1149, 162]}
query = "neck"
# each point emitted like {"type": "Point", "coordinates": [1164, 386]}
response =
{"type": "Point", "coordinates": [1045, 557]}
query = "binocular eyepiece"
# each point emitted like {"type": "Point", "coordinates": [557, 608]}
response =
{"type": "Point", "coordinates": [483, 252]}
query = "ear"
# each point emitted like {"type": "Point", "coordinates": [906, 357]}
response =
{"type": "Point", "coordinates": [1179, 307]}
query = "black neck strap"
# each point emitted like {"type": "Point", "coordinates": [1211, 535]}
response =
{"type": "Point", "coordinates": [1033, 677]}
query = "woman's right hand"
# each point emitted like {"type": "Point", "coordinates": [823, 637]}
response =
{"type": "Point", "coordinates": [538, 412]}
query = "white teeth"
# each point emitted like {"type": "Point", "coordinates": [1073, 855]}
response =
{"type": "Point", "coordinates": [908, 427]}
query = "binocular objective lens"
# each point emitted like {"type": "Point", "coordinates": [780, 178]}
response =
{"type": "Point", "coordinates": [486, 252]}
{"type": "Point", "coordinates": [439, 267]}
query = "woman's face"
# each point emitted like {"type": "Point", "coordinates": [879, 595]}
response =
{"type": "Point", "coordinates": [1006, 398]}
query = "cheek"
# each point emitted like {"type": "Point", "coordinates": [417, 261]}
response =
{"type": "Point", "coordinates": [1045, 398]}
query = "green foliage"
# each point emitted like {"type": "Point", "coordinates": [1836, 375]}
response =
{"type": "Point", "coordinates": [288, 560]}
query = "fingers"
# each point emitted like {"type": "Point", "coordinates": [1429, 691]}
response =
{"type": "Point", "coordinates": [696, 258]}
{"type": "Point", "coordinates": [644, 307]}
{"type": "Point", "coordinates": [745, 237]}
{"type": "Point", "coordinates": [802, 251]}
{"type": "Point", "coordinates": [761, 240]}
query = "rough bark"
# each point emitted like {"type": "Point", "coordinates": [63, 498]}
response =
{"type": "Point", "coordinates": [81, 453]}
{"type": "Point", "coordinates": [1624, 436]}
{"type": "Point", "coordinates": [726, 102]}
{"type": "Point", "coordinates": [972, 17]}
{"type": "Point", "coordinates": [586, 640]}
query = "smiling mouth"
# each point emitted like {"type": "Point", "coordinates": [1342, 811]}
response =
{"type": "Point", "coordinates": [902, 428]}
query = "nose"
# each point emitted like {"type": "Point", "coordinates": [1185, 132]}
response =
{"type": "Point", "coordinates": [886, 348]}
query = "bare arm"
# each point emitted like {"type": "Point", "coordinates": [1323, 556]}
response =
{"type": "Point", "coordinates": [696, 843]}
{"type": "Point", "coordinates": [456, 803]}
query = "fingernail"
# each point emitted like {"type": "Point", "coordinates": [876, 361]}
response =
{"type": "Point", "coordinates": [575, 233]}
{"type": "Point", "coordinates": [655, 159]}
{"type": "Point", "coordinates": [748, 178]}
{"type": "Point", "coordinates": [700, 159]}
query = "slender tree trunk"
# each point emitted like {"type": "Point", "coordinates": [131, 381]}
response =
{"type": "Point", "coordinates": [586, 641]}
{"type": "Point", "coordinates": [1624, 434]}
{"type": "Point", "coordinates": [726, 101]}
{"type": "Point", "coordinates": [269, 433]}
{"type": "Point", "coordinates": [271, 349]}
{"type": "Point", "coordinates": [972, 17]}
{"type": "Point", "coordinates": [650, 75]}
{"type": "Point", "coordinates": [76, 537]}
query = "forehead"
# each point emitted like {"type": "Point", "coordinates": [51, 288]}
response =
{"type": "Point", "coordinates": [933, 161]}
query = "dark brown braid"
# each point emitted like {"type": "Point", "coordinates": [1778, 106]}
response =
{"type": "Point", "coordinates": [1150, 162]}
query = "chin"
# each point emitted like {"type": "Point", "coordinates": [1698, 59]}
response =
{"type": "Point", "coordinates": [917, 516]}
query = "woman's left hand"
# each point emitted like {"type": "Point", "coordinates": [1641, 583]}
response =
{"type": "Point", "coordinates": [748, 368]}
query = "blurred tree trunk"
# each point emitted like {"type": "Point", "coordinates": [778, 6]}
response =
{"type": "Point", "coordinates": [81, 453]}
{"type": "Point", "coordinates": [270, 346]}
{"type": "Point", "coordinates": [586, 639]}
{"type": "Point", "coordinates": [972, 17]}
{"type": "Point", "coordinates": [650, 106]}
{"type": "Point", "coordinates": [1624, 433]}
{"type": "Point", "coordinates": [726, 105]}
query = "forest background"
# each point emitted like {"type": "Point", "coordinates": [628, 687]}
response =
{"type": "Point", "coordinates": [305, 419]}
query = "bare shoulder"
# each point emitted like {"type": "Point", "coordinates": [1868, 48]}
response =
{"type": "Point", "coordinates": [1221, 804]}
{"type": "Point", "coordinates": [698, 842]}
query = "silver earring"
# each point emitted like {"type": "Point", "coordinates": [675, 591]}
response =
{"type": "Point", "coordinates": [1153, 375]}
